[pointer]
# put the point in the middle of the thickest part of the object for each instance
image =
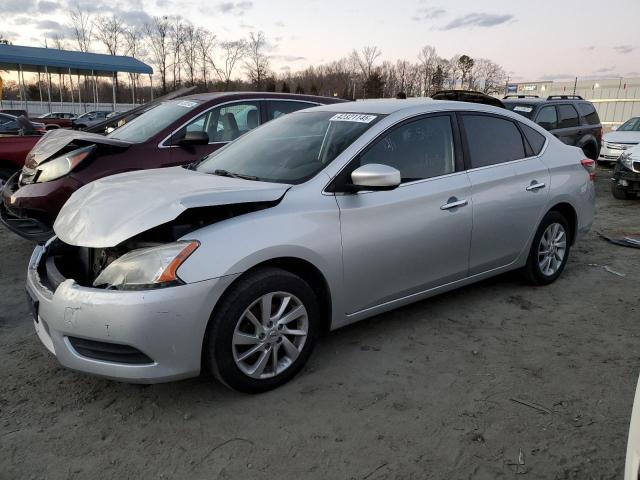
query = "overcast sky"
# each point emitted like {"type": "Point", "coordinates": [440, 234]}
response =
{"type": "Point", "coordinates": [532, 40]}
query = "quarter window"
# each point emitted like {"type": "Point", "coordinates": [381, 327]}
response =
{"type": "Point", "coordinates": [589, 113]}
{"type": "Point", "coordinates": [535, 139]}
{"type": "Point", "coordinates": [548, 118]}
{"type": "Point", "coordinates": [278, 108]}
{"type": "Point", "coordinates": [492, 140]}
{"type": "Point", "coordinates": [419, 149]}
{"type": "Point", "coordinates": [568, 117]}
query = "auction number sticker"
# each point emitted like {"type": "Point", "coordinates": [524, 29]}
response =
{"type": "Point", "coordinates": [352, 117]}
{"type": "Point", "coordinates": [520, 108]}
{"type": "Point", "coordinates": [187, 104]}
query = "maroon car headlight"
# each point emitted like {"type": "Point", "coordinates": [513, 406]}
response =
{"type": "Point", "coordinates": [60, 166]}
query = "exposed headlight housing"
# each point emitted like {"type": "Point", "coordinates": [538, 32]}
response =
{"type": "Point", "coordinates": [147, 268]}
{"type": "Point", "coordinates": [627, 161]}
{"type": "Point", "coordinates": [60, 166]}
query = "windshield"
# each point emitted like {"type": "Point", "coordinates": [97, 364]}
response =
{"type": "Point", "coordinates": [291, 149]}
{"type": "Point", "coordinates": [153, 121]}
{"type": "Point", "coordinates": [631, 125]}
{"type": "Point", "coordinates": [522, 108]}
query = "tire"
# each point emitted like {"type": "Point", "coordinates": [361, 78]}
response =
{"type": "Point", "coordinates": [590, 151]}
{"type": "Point", "coordinates": [5, 174]}
{"type": "Point", "coordinates": [223, 356]}
{"type": "Point", "coordinates": [619, 192]}
{"type": "Point", "coordinates": [533, 271]}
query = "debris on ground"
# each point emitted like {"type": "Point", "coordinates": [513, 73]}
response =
{"type": "Point", "coordinates": [535, 406]}
{"type": "Point", "coordinates": [626, 241]}
{"type": "Point", "coordinates": [607, 268]}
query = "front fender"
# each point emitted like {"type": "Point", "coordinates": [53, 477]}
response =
{"type": "Point", "coordinates": [306, 227]}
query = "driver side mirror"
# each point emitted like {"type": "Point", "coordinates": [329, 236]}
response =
{"type": "Point", "coordinates": [375, 176]}
{"type": "Point", "coordinates": [195, 138]}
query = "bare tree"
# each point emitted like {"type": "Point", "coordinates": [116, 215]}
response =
{"type": "Point", "coordinates": [205, 42]}
{"type": "Point", "coordinates": [257, 62]}
{"type": "Point", "coordinates": [134, 47]}
{"type": "Point", "coordinates": [176, 33]}
{"type": "Point", "coordinates": [190, 51]}
{"type": "Point", "coordinates": [366, 59]}
{"type": "Point", "coordinates": [110, 31]}
{"type": "Point", "coordinates": [428, 60]}
{"type": "Point", "coordinates": [232, 53]}
{"type": "Point", "coordinates": [487, 76]}
{"type": "Point", "coordinates": [59, 44]}
{"type": "Point", "coordinates": [157, 32]}
{"type": "Point", "coordinates": [82, 27]}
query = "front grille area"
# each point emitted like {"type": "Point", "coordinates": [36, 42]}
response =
{"type": "Point", "coordinates": [109, 352]}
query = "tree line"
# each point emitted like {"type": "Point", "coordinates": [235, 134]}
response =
{"type": "Point", "coordinates": [184, 54]}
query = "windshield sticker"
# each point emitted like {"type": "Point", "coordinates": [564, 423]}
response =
{"type": "Point", "coordinates": [520, 108]}
{"type": "Point", "coordinates": [352, 117]}
{"type": "Point", "coordinates": [187, 104]}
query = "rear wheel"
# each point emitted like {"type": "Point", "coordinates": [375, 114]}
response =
{"type": "Point", "coordinates": [621, 193]}
{"type": "Point", "coordinates": [549, 250]}
{"type": "Point", "coordinates": [263, 331]}
{"type": "Point", "coordinates": [590, 151]}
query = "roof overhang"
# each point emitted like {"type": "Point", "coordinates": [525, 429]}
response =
{"type": "Point", "coordinates": [35, 59]}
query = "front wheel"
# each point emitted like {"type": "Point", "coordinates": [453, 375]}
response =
{"type": "Point", "coordinates": [5, 174]}
{"type": "Point", "coordinates": [549, 250]}
{"type": "Point", "coordinates": [263, 331]}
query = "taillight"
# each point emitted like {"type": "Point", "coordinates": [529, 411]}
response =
{"type": "Point", "coordinates": [590, 166]}
{"type": "Point", "coordinates": [600, 134]}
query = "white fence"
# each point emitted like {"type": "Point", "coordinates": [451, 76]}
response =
{"type": "Point", "coordinates": [36, 108]}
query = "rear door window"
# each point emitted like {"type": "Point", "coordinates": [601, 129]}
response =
{"type": "Point", "coordinates": [492, 140]}
{"type": "Point", "coordinates": [278, 108]}
{"type": "Point", "coordinates": [567, 116]}
{"type": "Point", "coordinates": [589, 113]}
{"type": "Point", "coordinates": [547, 118]}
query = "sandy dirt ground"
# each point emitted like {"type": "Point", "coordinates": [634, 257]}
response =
{"type": "Point", "coordinates": [430, 391]}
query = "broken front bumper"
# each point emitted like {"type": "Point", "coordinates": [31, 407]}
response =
{"type": "Point", "coordinates": [136, 336]}
{"type": "Point", "coordinates": [626, 178]}
{"type": "Point", "coordinates": [30, 210]}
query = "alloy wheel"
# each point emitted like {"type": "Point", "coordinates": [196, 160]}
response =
{"type": "Point", "coordinates": [552, 249]}
{"type": "Point", "coordinates": [270, 334]}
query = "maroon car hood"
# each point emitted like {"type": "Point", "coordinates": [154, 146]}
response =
{"type": "Point", "coordinates": [55, 140]}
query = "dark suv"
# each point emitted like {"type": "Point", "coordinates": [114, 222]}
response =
{"type": "Point", "coordinates": [571, 118]}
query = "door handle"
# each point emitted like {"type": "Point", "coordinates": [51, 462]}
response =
{"type": "Point", "coordinates": [535, 186]}
{"type": "Point", "coordinates": [453, 202]}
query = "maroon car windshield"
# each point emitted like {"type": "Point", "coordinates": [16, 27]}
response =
{"type": "Point", "coordinates": [153, 121]}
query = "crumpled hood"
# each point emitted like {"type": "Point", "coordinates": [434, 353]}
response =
{"type": "Point", "coordinates": [108, 211]}
{"type": "Point", "coordinates": [622, 137]}
{"type": "Point", "coordinates": [55, 140]}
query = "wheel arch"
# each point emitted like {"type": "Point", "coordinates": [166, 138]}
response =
{"type": "Point", "coordinates": [589, 143]}
{"type": "Point", "coordinates": [305, 270]}
{"type": "Point", "coordinates": [569, 212]}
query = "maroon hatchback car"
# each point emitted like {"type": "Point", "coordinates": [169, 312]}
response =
{"type": "Point", "coordinates": [175, 132]}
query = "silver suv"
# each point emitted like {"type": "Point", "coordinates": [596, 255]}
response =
{"type": "Point", "coordinates": [313, 221]}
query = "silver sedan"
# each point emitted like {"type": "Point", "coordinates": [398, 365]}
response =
{"type": "Point", "coordinates": [311, 222]}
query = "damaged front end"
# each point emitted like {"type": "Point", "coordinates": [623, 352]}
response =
{"type": "Point", "coordinates": [149, 260]}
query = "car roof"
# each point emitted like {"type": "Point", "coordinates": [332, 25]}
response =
{"type": "Point", "coordinates": [206, 97]}
{"type": "Point", "coordinates": [540, 101]}
{"type": "Point", "coordinates": [390, 106]}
